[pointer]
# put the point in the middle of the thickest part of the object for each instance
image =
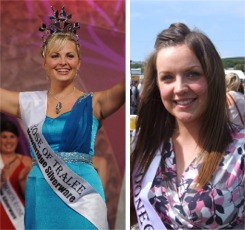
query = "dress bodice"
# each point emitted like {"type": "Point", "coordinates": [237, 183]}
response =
{"type": "Point", "coordinates": [53, 128]}
{"type": "Point", "coordinates": [73, 132]}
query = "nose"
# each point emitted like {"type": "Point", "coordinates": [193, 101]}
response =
{"type": "Point", "coordinates": [8, 139]}
{"type": "Point", "coordinates": [180, 86]}
{"type": "Point", "coordinates": [63, 61]}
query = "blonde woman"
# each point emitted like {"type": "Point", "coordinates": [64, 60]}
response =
{"type": "Point", "coordinates": [235, 99]}
{"type": "Point", "coordinates": [63, 190]}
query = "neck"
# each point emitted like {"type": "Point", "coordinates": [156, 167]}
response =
{"type": "Point", "coordinates": [8, 155]}
{"type": "Point", "coordinates": [187, 131]}
{"type": "Point", "coordinates": [9, 159]}
{"type": "Point", "coordinates": [59, 88]}
{"type": "Point", "coordinates": [61, 94]}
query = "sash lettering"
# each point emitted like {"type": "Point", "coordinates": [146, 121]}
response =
{"type": "Point", "coordinates": [76, 192]}
{"type": "Point", "coordinates": [142, 215]}
{"type": "Point", "coordinates": [12, 205]}
{"type": "Point", "coordinates": [147, 217]}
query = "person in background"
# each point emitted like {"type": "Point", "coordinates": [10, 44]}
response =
{"type": "Point", "coordinates": [14, 168]}
{"type": "Point", "coordinates": [140, 86]}
{"type": "Point", "coordinates": [134, 97]}
{"type": "Point", "coordinates": [187, 163]}
{"type": "Point", "coordinates": [235, 99]}
{"type": "Point", "coordinates": [241, 88]}
{"type": "Point", "coordinates": [63, 190]}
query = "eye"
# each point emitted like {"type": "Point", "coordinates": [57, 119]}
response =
{"type": "Point", "coordinates": [70, 56]}
{"type": "Point", "coordinates": [166, 78]}
{"type": "Point", "coordinates": [54, 55]}
{"type": "Point", "coordinates": [193, 74]}
{"type": "Point", "coordinates": [12, 136]}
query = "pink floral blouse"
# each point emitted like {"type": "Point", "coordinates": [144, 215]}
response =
{"type": "Point", "coordinates": [219, 205]}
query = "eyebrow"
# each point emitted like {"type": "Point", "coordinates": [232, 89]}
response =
{"type": "Point", "coordinates": [58, 52]}
{"type": "Point", "coordinates": [186, 68]}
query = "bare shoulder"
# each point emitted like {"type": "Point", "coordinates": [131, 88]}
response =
{"type": "Point", "coordinates": [97, 96]}
{"type": "Point", "coordinates": [27, 161]}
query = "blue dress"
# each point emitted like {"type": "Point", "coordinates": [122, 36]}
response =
{"type": "Point", "coordinates": [75, 132]}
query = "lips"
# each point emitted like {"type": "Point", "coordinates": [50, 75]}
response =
{"type": "Point", "coordinates": [62, 70]}
{"type": "Point", "coordinates": [184, 102]}
{"type": "Point", "coordinates": [8, 147]}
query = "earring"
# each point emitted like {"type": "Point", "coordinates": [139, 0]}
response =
{"type": "Point", "coordinates": [77, 73]}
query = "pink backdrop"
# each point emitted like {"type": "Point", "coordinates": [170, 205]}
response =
{"type": "Point", "coordinates": [102, 38]}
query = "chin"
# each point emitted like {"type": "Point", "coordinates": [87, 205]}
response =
{"type": "Point", "coordinates": [185, 119]}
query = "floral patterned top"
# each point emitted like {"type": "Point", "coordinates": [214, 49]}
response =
{"type": "Point", "coordinates": [220, 204]}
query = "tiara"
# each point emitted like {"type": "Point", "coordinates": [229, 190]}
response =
{"type": "Point", "coordinates": [59, 23]}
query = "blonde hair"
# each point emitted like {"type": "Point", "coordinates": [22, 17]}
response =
{"type": "Point", "coordinates": [232, 82]}
{"type": "Point", "coordinates": [57, 42]}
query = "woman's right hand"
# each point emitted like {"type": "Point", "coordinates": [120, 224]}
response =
{"type": "Point", "coordinates": [9, 102]}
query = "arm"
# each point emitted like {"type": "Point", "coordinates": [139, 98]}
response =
{"type": "Point", "coordinates": [9, 102]}
{"type": "Point", "coordinates": [109, 101]}
{"type": "Point", "coordinates": [100, 164]}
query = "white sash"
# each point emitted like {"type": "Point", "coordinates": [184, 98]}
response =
{"type": "Point", "coordinates": [70, 187]}
{"type": "Point", "coordinates": [147, 217]}
{"type": "Point", "coordinates": [11, 203]}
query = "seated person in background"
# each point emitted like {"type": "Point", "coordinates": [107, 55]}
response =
{"type": "Point", "coordinates": [14, 168]}
{"type": "Point", "coordinates": [235, 99]}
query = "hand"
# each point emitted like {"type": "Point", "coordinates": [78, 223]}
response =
{"type": "Point", "coordinates": [23, 177]}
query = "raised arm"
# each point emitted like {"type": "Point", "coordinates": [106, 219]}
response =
{"type": "Point", "coordinates": [108, 101]}
{"type": "Point", "coordinates": [9, 102]}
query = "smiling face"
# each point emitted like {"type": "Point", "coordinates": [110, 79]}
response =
{"type": "Point", "coordinates": [182, 84]}
{"type": "Point", "coordinates": [8, 142]}
{"type": "Point", "coordinates": [62, 62]}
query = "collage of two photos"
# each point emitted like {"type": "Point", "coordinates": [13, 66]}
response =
{"type": "Point", "coordinates": [122, 114]}
{"type": "Point", "coordinates": [187, 81]}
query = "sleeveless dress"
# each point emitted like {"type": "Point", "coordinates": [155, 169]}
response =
{"type": "Point", "coordinates": [5, 222]}
{"type": "Point", "coordinates": [44, 209]}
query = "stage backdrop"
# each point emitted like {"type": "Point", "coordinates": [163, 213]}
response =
{"type": "Point", "coordinates": [102, 39]}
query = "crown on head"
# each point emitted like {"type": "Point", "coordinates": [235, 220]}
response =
{"type": "Point", "coordinates": [59, 23]}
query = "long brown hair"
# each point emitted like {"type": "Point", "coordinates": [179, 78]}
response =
{"type": "Point", "coordinates": [155, 125]}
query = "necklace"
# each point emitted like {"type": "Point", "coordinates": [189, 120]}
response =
{"type": "Point", "coordinates": [59, 104]}
{"type": "Point", "coordinates": [11, 162]}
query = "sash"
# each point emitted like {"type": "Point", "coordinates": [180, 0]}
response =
{"type": "Point", "coordinates": [76, 192]}
{"type": "Point", "coordinates": [11, 203]}
{"type": "Point", "coordinates": [147, 217]}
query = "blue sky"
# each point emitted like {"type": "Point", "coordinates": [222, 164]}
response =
{"type": "Point", "coordinates": [223, 21]}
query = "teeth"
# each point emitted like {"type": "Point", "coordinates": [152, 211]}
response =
{"type": "Point", "coordinates": [62, 70]}
{"type": "Point", "coordinates": [186, 102]}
